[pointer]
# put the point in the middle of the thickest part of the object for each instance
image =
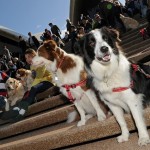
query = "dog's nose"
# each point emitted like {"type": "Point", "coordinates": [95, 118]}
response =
{"type": "Point", "coordinates": [104, 49]}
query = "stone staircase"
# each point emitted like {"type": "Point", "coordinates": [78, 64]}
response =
{"type": "Point", "coordinates": [45, 126]}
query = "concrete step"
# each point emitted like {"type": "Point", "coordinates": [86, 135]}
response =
{"type": "Point", "coordinates": [72, 134]}
{"type": "Point", "coordinates": [125, 35]}
{"type": "Point", "coordinates": [131, 42]}
{"type": "Point", "coordinates": [138, 50]}
{"type": "Point", "coordinates": [130, 38]}
{"type": "Point", "coordinates": [113, 144]}
{"type": "Point", "coordinates": [48, 104]}
{"type": "Point", "coordinates": [142, 57]}
{"type": "Point", "coordinates": [40, 131]}
{"type": "Point", "coordinates": [134, 47]}
{"type": "Point", "coordinates": [35, 122]}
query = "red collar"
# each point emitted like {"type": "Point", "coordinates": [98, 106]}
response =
{"type": "Point", "coordinates": [68, 87]}
{"type": "Point", "coordinates": [58, 66]}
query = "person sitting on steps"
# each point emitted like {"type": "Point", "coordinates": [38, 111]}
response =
{"type": "Point", "coordinates": [42, 82]}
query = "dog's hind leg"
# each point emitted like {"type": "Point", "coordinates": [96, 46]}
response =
{"type": "Point", "coordinates": [87, 117]}
{"type": "Point", "coordinates": [119, 115]}
{"type": "Point", "coordinates": [92, 97]}
{"type": "Point", "coordinates": [135, 105]}
{"type": "Point", "coordinates": [82, 114]}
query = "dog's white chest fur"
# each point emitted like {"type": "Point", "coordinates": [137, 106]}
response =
{"type": "Point", "coordinates": [116, 75]}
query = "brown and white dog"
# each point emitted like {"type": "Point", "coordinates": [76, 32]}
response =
{"type": "Point", "coordinates": [26, 78]}
{"type": "Point", "coordinates": [15, 91]}
{"type": "Point", "coordinates": [70, 76]}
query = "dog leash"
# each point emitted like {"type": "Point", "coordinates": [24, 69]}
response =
{"type": "Point", "coordinates": [138, 68]}
{"type": "Point", "coordinates": [72, 86]}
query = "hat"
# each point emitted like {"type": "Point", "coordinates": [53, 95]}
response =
{"type": "Point", "coordinates": [2, 101]}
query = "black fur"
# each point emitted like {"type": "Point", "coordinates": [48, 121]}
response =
{"type": "Point", "coordinates": [87, 44]}
{"type": "Point", "coordinates": [141, 83]}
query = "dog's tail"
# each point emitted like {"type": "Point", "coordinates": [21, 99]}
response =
{"type": "Point", "coordinates": [72, 116]}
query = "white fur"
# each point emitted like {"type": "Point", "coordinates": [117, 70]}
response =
{"type": "Point", "coordinates": [88, 105]}
{"type": "Point", "coordinates": [114, 74]}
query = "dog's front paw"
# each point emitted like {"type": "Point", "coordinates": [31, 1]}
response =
{"type": "Point", "coordinates": [81, 123]}
{"type": "Point", "coordinates": [143, 141]}
{"type": "Point", "coordinates": [123, 138]}
{"type": "Point", "coordinates": [13, 103]}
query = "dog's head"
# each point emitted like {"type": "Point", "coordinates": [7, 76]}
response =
{"type": "Point", "coordinates": [46, 54]}
{"type": "Point", "coordinates": [11, 84]}
{"type": "Point", "coordinates": [22, 73]}
{"type": "Point", "coordinates": [48, 50]}
{"type": "Point", "coordinates": [99, 45]}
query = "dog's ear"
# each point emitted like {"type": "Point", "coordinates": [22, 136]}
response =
{"type": "Point", "coordinates": [47, 50]}
{"type": "Point", "coordinates": [49, 45]}
{"type": "Point", "coordinates": [113, 33]}
{"type": "Point", "coordinates": [16, 83]}
{"type": "Point", "coordinates": [80, 46]}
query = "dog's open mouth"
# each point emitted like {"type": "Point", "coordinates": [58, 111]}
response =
{"type": "Point", "coordinates": [105, 58]}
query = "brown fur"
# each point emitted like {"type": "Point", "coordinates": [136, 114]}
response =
{"type": "Point", "coordinates": [25, 77]}
{"type": "Point", "coordinates": [50, 51]}
{"type": "Point", "coordinates": [15, 90]}
{"type": "Point", "coordinates": [65, 62]}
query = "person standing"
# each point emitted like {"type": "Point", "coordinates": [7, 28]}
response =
{"type": "Point", "coordinates": [23, 45]}
{"type": "Point", "coordinates": [68, 25]}
{"type": "Point", "coordinates": [33, 41]}
{"type": "Point", "coordinates": [6, 52]}
{"type": "Point", "coordinates": [55, 30]}
{"type": "Point", "coordinates": [143, 7]}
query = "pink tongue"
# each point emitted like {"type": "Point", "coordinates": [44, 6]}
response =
{"type": "Point", "coordinates": [107, 57]}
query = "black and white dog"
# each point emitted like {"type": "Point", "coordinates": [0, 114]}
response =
{"type": "Point", "coordinates": [121, 84]}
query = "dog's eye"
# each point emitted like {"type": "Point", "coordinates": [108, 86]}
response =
{"type": "Point", "coordinates": [105, 38]}
{"type": "Point", "coordinates": [92, 42]}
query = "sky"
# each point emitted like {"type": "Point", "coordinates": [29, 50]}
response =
{"type": "Point", "coordinates": [122, 1]}
{"type": "Point", "coordinates": [25, 16]}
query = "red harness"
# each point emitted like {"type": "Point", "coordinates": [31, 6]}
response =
{"type": "Point", "coordinates": [72, 86]}
{"type": "Point", "coordinates": [68, 87]}
{"type": "Point", "coordinates": [136, 68]}
{"type": "Point", "coordinates": [120, 89]}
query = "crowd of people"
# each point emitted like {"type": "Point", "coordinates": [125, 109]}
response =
{"type": "Point", "coordinates": [107, 13]}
